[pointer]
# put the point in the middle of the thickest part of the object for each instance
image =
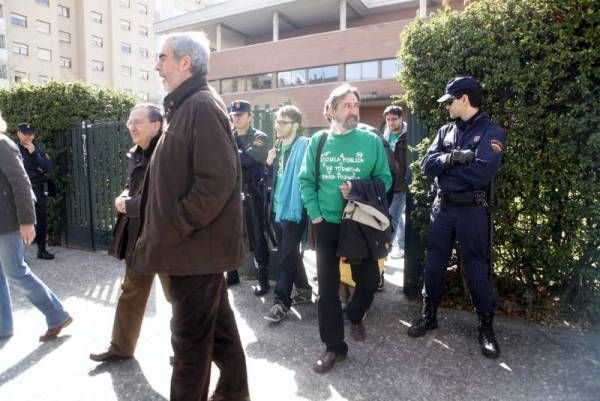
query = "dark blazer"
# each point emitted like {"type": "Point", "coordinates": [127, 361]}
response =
{"type": "Point", "coordinates": [16, 197]}
{"type": "Point", "coordinates": [191, 201]}
{"type": "Point", "coordinates": [137, 166]}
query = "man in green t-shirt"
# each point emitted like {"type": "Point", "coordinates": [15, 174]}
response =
{"type": "Point", "coordinates": [347, 154]}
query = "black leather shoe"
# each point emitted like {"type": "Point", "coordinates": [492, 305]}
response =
{"type": "Point", "coordinates": [358, 332]}
{"type": "Point", "coordinates": [108, 356]}
{"type": "Point", "coordinates": [326, 361]}
{"type": "Point", "coordinates": [427, 321]}
{"type": "Point", "coordinates": [233, 278]}
{"type": "Point", "coordinates": [44, 254]}
{"type": "Point", "coordinates": [262, 287]}
{"type": "Point", "coordinates": [487, 338]}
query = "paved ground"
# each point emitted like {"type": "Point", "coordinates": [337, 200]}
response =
{"type": "Point", "coordinates": [537, 363]}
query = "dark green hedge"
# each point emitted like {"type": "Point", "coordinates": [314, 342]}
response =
{"type": "Point", "coordinates": [539, 63]}
{"type": "Point", "coordinates": [53, 108]}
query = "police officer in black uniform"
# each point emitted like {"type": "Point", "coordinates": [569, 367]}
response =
{"type": "Point", "coordinates": [38, 165]}
{"type": "Point", "coordinates": [464, 159]}
{"type": "Point", "coordinates": [253, 146]}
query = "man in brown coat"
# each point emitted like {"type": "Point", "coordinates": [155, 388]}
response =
{"type": "Point", "coordinates": [192, 225]}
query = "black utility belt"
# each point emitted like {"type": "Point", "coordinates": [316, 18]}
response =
{"type": "Point", "coordinates": [470, 198]}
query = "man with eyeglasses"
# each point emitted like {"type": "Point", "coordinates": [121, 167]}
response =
{"type": "Point", "coordinates": [38, 165]}
{"type": "Point", "coordinates": [283, 164]}
{"type": "Point", "coordinates": [145, 128]}
{"type": "Point", "coordinates": [395, 135]}
{"type": "Point", "coordinates": [253, 146]}
{"type": "Point", "coordinates": [464, 159]}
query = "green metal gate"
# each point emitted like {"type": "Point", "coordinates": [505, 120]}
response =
{"type": "Point", "coordinates": [96, 165]}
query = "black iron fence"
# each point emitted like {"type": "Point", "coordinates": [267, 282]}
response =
{"type": "Point", "coordinates": [96, 166]}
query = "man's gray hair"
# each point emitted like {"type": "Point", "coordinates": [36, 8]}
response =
{"type": "Point", "coordinates": [336, 95]}
{"type": "Point", "coordinates": [193, 44]}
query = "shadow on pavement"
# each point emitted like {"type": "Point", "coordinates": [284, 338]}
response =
{"type": "Point", "coordinates": [128, 380]}
{"type": "Point", "coordinates": [31, 359]}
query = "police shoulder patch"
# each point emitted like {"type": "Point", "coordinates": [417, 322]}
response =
{"type": "Point", "coordinates": [496, 146]}
{"type": "Point", "coordinates": [258, 142]}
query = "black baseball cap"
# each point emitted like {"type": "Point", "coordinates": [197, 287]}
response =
{"type": "Point", "coordinates": [458, 86]}
{"type": "Point", "coordinates": [26, 128]}
{"type": "Point", "coordinates": [240, 106]}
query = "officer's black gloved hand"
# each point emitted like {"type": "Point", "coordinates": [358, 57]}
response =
{"type": "Point", "coordinates": [462, 156]}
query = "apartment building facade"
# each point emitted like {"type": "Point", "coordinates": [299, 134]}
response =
{"type": "Point", "coordinates": [278, 51]}
{"type": "Point", "coordinates": [102, 42]}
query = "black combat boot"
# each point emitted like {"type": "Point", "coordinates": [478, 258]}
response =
{"type": "Point", "coordinates": [487, 339]}
{"type": "Point", "coordinates": [427, 321]}
{"type": "Point", "coordinates": [262, 287]}
{"type": "Point", "coordinates": [233, 278]}
{"type": "Point", "coordinates": [44, 254]}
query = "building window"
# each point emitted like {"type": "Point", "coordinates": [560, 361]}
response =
{"type": "Point", "coordinates": [44, 54]}
{"type": "Point", "coordinates": [43, 79]}
{"type": "Point", "coordinates": [142, 8]}
{"type": "Point", "coordinates": [97, 65]}
{"type": "Point", "coordinates": [144, 75]}
{"type": "Point", "coordinates": [64, 11]}
{"type": "Point", "coordinates": [144, 52]}
{"type": "Point", "coordinates": [43, 2]}
{"type": "Point", "coordinates": [125, 25]}
{"type": "Point", "coordinates": [97, 41]}
{"type": "Point", "coordinates": [215, 84]}
{"type": "Point", "coordinates": [361, 71]}
{"type": "Point", "coordinates": [125, 3]}
{"type": "Point", "coordinates": [319, 75]}
{"type": "Point", "coordinates": [143, 30]}
{"type": "Point", "coordinates": [390, 68]}
{"type": "Point", "coordinates": [20, 48]}
{"type": "Point", "coordinates": [2, 41]}
{"type": "Point", "coordinates": [96, 17]}
{"type": "Point", "coordinates": [125, 47]}
{"type": "Point", "coordinates": [3, 72]}
{"type": "Point", "coordinates": [65, 62]}
{"type": "Point", "coordinates": [291, 78]}
{"type": "Point", "coordinates": [18, 20]}
{"type": "Point", "coordinates": [20, 76]}
{"type": "Point", "coordinates": [64, 37]}
{"type": "Point", "coordinates": [261, 81]}
{"type": "Point", "coordinates": [42, 27]}
{"type": "Point", "coordinates": [232, 85]}
{"type": "Point", "coordinates": [126, 70]}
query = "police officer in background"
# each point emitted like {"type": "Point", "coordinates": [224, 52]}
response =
{"type": "Point", "coordinates": [38, 165]}
{"type": "Point", "coordinates": [253, 146]}
{"type": "Point", "coordinates": [464, 159]}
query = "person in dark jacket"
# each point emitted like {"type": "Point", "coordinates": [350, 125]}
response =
{"type": "Point", "coordinates": [464, 158]}
{"type": "Point", "coordinates": [253, 146]}
{"type": "Point", "coordinates": [192, 224]}
{"type": "Point", "coordinates": [38, 165]}
{"type": "Point", "coordinates": [395, 134]}
{"type": "Point", "coordinates": [17, 219]}
{"type": "Point", "coordinates": [145, 128]}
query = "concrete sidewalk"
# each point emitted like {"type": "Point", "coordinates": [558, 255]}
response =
{"type": "Point", "coordinates": [537, 362]}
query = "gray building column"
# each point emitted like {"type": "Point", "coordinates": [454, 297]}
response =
{"type": "Point", "coordinates": [343, 10]}
{"type": "Point", "coordinates": [275, 26]}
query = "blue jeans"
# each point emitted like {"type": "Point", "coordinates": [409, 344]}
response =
{"type": "Point", "coordinates": [397, 213]}
{"type": "Point", "coordinates": [13, 266]}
